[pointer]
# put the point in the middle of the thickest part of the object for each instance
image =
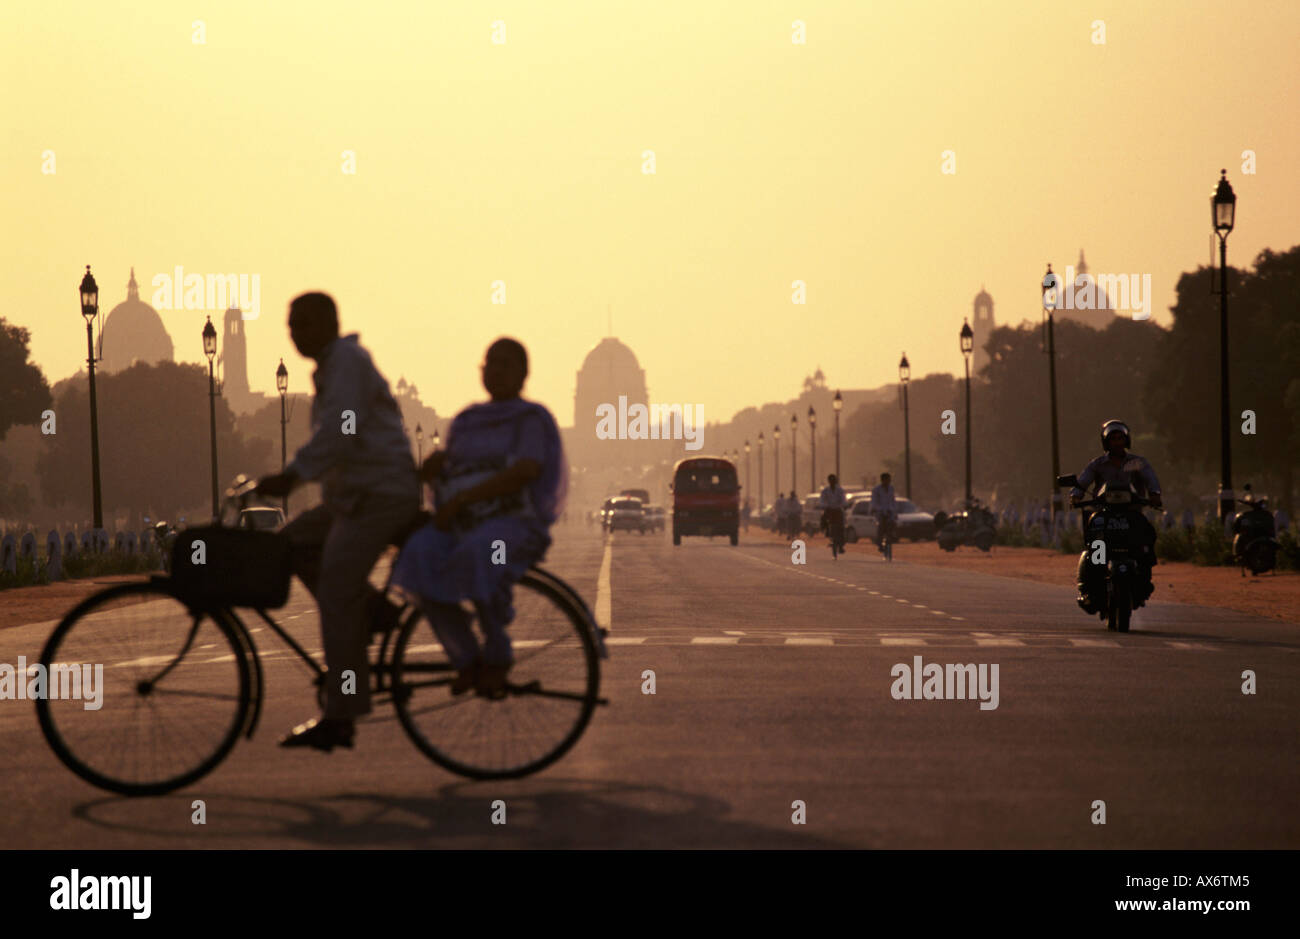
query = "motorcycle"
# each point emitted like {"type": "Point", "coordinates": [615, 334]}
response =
{"type": "Point", "coordinates": [1111, 524]}
{"type": "Point", "coordinates": [164, 536]}
{"type": "Point", "coordinates": [973, 526]}
{"type": "Point", "coordinates": [1254, 540]}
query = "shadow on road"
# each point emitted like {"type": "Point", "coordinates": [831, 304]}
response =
{"type": "Point", "coordinates": [551, 813]}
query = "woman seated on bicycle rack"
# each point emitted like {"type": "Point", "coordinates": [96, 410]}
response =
{"type": "Point", "coordinates": [499, 486]}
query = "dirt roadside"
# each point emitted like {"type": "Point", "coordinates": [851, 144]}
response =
{"type": "Point", "coordinates": [22, 605]}
{"type": "Point", "coordinates": [1274, 595]}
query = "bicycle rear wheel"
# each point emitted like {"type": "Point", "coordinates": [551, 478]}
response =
{"type": "Point", "coordinates": [143, 695]}
{"type": "Point", "coordinates": [551, 691]}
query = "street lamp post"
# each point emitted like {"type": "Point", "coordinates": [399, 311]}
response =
{"type": "Point", "coordinates": [1050, 299]}
{"type": "Point", "coordinates": [1223, 208]}
{"type": "Point", "coordinates": [967, 348]}
{"type": "Point", "coordinates": [794, 452]}
{"type": "Point", "coordinates": [419, 459]}
{"type": "Point", "coordinates": [760, 471]}
{"type": "Point", "coordinates": [838, 405]}
{"type": "Point", "coordinates": [282, 386]}
{"type": "Point", "coordinates": [210, 350]}
{"type": "Point", "coordinates": [748, 479]}
{"type": "Point", "coordinates": [776, 456]}
{"type": "Point", "coordinates": [812, 434]}
{"type": "Point", "coordinates": [90, 309]}
{"type": "Point", "coordinates": [905, 377]}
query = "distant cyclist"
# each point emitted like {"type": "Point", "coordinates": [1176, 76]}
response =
{"type": "Point", "coordinates": [831, 502]}
{"type": "Point", "coordinates": [884, 507]}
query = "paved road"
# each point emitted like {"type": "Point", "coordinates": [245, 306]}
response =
{"type": "Point", "coordinates": [773, 686]}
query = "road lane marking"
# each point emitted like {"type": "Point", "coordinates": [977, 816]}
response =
{"type": "Point", "coordinates": [1094, 643]}
{"type": "Point", "coordinates": [1192, 645]}
{"type": "Point", "coordinates": [901, 641]}
{"type": "Point", "coordinates": [998, 642]}
{"type": "Point", "coordinates": [624, 640]}
{"type": "Point", "coordinates": [734, 632]}
{"type": "Point", "coordinates": [602, 587]}
{"type": "Point", "coordinates": [714, 640]}
{"type": "Point", "coordinates": [808, 641]}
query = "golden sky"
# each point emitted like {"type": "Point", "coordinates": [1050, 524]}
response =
{"type": "Point", "coordinates": [522, 162]}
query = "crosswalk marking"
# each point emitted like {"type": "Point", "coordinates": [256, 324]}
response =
{"type": "Point", "coordinates": [1191, 645]}
{"type": "Point", "coordinates": [901, 641]}
{"type": "Point", "coordinates": [714, 640]}
{"type": "Point", "coordinates": [809, 641]}
{"type": "Point", "coordinates": [1094, 643]}
{"type": "Point", "coordinates": [998, 642]}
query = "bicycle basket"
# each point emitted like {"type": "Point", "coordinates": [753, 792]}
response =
{"type": "Point", "coordinates": [234, 567]}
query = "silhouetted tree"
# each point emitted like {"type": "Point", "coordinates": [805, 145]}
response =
{"type": "Point", "coordinates": [24, 392]}
{"type": "Point", "coordinates": [153, 443]}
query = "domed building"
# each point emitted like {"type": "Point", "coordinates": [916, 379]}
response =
{"type": "Point", "coordinates": [609, 370]}
{"type": "Point", "coordinates": [1102, 311]}
{"type": "Point", "coordinates": [133, 332]}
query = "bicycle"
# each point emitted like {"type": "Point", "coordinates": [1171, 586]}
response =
{"type": "Point", "coordinates": [833, 525]}
{"type": "Point", "coordinates": [162, 649]}
{"type": "Point", "coordinates": [888, 535]}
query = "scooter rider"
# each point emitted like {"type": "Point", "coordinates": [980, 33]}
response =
{"type": "Point", "coordinates": [1119, 468]}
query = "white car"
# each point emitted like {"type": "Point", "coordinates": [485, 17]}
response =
{"type": "Point", "coordinates": [626, 513]}
{"type": "Point", "coordinates": [859, 522]}
{"type": "Point", "coordinates": [261, 518]}
{"type": "Point", "coordinates": [912, 521]}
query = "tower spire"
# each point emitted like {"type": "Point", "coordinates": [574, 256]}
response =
{"type": "Point", "coordinates": [132, 288]}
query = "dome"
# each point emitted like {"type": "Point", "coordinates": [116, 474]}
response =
{"type": "Point", "coordinates": [610, 355]}
{"type": "Point", "coordinates": [609, 371]}
{"type": "Point", "coordinates": [133, 331]}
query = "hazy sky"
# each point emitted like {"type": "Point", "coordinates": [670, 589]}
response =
{"type": "Point", "coordinates": [522, 162]}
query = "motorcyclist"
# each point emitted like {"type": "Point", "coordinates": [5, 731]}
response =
{"type": "Point", "coordinates": [1117, 467]}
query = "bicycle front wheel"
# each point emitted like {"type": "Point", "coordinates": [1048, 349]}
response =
{"type": "Point", "coordinates": [144, 696]}
{"type": "Point", "coordinates": [551, 691]}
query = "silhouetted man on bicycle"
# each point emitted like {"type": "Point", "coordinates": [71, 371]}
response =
{"type": "Point", "coordinates": [884, 507]}
{"type": "Point", "coordinates": [831, 502]}
{"type": "Point", "coordinates": [371, 493]}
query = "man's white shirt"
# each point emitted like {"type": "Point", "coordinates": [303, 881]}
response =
{"type": "Point", "coordinates": [832, 498]}
{"type": "Point", "coordinates": [883, 501]}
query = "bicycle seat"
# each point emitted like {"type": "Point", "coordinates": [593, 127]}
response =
{"type": "Point", "coordinates": [418, 521]}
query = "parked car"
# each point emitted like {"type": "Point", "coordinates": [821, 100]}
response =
{"type": "Point", "coordinates": [656, 517]}
{"type": "Point", "coordinates": [913, 522]}
{"type": "Point", "coordinates": [261, 518]}
{"type": "Point", "coordinates": [974, 526]}
{"type": "Point", "coordinates": [642, 494]}
{"type": "Point", "coordinates": [627, 514]}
